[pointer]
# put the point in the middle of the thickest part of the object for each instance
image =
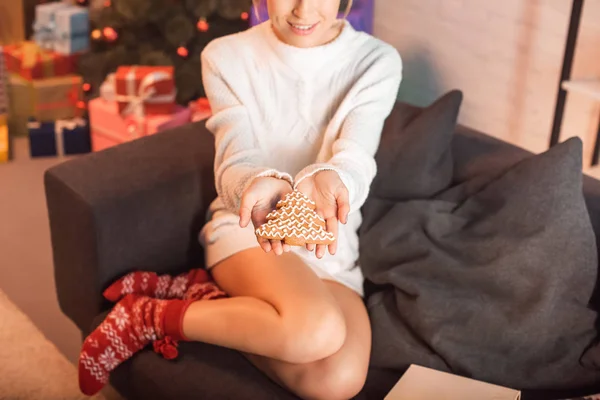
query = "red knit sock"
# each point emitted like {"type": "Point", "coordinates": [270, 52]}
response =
{"type": "Point", "coordinates": [133, 323]}
{"type": "Point", "coordinates": [154, 285]}
{"type": "Point", "coordinates": [204, 291]}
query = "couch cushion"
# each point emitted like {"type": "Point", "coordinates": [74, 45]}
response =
{"type": "Point", "coordinates": [479, 275]}
{"type": "Point", "coordinates": [414, 158]}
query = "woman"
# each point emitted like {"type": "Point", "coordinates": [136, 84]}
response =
{"type": "Point", "coordinates": [299, 102]}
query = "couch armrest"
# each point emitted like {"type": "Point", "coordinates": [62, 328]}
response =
{"type": "Point", "coordinates": [135, 206]}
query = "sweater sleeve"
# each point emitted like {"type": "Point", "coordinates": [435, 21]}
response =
{"type": "Point", "coordinates": [372, 98]}
{"type": "Point", "coordinates": [238, 155]}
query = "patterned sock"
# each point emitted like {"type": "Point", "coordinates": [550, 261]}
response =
{"type": "Point", "coordinates": [204, 291]}
{"type": "Point", "coordinates": [154, 285]}
{"type": "Point", "coordinates": [134, 322]}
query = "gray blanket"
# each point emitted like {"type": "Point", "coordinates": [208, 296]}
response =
{"type": "Point", "coordinates": [487, 278]}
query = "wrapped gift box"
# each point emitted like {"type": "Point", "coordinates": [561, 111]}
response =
{"type": "Point", "coordinates": [201, 109]}
{"type": "Point", "coordinates": [31, 62]}
{"type": "Point", "coordinates": [44, 27]}
{"type": "Point", "coordinates": [45, 100]}
{"type": "Point", "coordinates": [420, 383]}
{"type": "Point", "coordinates": [109, 128]}
{"type": "Point", "coordinates": [72, 30]}
{"type": "Point", "coordinates": [59, 138]}
{"type": "Point", "coordinates": [3, 84]}
{"type": "Point", "coordinates": [3, 139]}
{"type": "Point", "coordinates": [143, 90]}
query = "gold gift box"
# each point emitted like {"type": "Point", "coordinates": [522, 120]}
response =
{"type": "Point", "coordinates": [46, 100]}
{"type": "Point", "coordinates": [3, 139]}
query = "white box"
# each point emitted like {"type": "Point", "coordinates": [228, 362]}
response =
{"type": "Point", "coordinates": [420, 383]}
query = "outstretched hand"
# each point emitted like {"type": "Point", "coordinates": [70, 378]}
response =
{"type": "Point", "coordinates": [259, 199]}
{"type": "Point", "coordinates": [330, 194]}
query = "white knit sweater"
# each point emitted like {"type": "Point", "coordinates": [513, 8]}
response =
{"type": "Point", "coordinates": [289, 112]}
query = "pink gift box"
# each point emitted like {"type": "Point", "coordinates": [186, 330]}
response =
{"type": "Point", "coordinates": [201, 109]}
{"type": "Point", "coordinates": [109, 128]}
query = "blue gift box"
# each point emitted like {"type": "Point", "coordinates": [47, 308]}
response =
{"type": "Point", "coordinates": [45, 23]}
{"type": "Point", "coordinates": [360, 17]}
{"type": "Point", "coordinates": [72, 30]}
{"type": "Point", "coordinates": [63, 137]}
{"type": "Point", "coordinates": [42, 141]}
{"type": "Point", "coordinates": [62, 27]}
{"type": "Point", "coordinates": [77, 140]}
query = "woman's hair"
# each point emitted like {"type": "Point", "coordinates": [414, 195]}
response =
{"type": "Point", "coordinates": [348, 3]}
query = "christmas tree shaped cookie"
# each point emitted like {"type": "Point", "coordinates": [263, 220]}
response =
{"type": "Point", "coordinates": [295, 222]}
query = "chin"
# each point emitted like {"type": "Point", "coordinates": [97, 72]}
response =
{"type": "Point", "coordinates": [302, 43]}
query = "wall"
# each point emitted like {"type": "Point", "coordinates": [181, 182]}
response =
{"type": "Point", "coordinates": [505, 55]}
{"type": "Point", "coordinates": [11, 21]}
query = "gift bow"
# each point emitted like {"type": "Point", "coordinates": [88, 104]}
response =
{"type": "Point", "coordinates": [30, 53]}
{"type": "Point", "coordinates": [135, 100]}
{"type": "Point", "coordinates": [146, 93]}
{"type": "Point", "coordinates": [69, 124]}
{"type": "Point", "coordinates": [45, 34]}
{"type": "Point", "coordinates": [65, 124]}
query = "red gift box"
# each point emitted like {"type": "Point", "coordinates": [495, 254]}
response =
{"type": "Point", "coordinates": [145, 90]}
{"type": "Point", "coordinates": [109, 128]}
{"type": "Point", "coordinates": [201, 109]}
{"type": "Point", "coordinates": [31, 62]}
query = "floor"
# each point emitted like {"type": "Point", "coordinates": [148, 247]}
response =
{"type": "Point", "coordinates": [26, 271]}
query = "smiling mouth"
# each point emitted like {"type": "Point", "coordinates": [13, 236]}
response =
{"type": "Point", "coordinates": [303, 28]}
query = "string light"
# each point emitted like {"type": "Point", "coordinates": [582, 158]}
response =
{"type": "Point", "coordinates": [96, 34]}
{"type": "Point", "coordinates": [245, 16]}
{"type": "Point", "coordinates": [182, 51]}
{"type": "Point", "coordinates": [81, 104]}
{"type": "Point", "coordinates": [107, 3]}
{"type": "Point", "coordinates": [110, 34]}
{"type": "Point", "coordinates": [86, 87]}
{"type": "Point", "coordinates": [202, 25]}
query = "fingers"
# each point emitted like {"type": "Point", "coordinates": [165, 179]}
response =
{"type": "Point", "coordinates": [343, 205]}
{"type": "Point", "coordinates": [265, 244]}
{"type": "Point", "coordinates": [277, 247]}
{"type": "Point", "coordinates": [332, 226]}
{"type": "Point", "coordinates": [310, 247]}
{"type": "Point", "coordinates": [320, 251]}
{"type": "Point", "coordinates": [248, 202]}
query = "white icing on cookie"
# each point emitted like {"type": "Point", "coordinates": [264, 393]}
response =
{"type": "Point", "coordinates": [295, 218]}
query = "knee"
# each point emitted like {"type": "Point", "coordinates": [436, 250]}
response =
{"type": "Point", "coordinates": [331, 380]}
{"type": "Point", "coordinates": [314, 334]}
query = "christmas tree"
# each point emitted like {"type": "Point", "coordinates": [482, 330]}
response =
{"type": "Point", "coordinates": [296, 222]}
{"type": "Point", "coordinates": [158, 33]}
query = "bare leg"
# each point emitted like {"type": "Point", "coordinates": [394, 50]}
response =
{"type": "Point", "coordinates": [279, 309]}
{"type": "Point", "coordinates": [340, 376]}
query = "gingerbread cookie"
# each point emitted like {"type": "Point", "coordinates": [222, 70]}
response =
{"type": "Point", "coordinates": [296, 222]}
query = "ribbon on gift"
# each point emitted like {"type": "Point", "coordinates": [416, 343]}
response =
{"type": "Point", "coordinates": [59, 131]}
{"type": "Point", "coordinates": [27, 56]}
{"type": "Point", "coordinates": [71, 100]}
{"type": "Point", "coordinates": [146, 93]}
{"type": "Point", "coordinates": [59, 127]}
{"type": "Point", "coordinates": [44, 34]}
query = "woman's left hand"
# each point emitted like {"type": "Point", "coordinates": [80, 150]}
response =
{"type": "Point", "coordinates": [330, 194]}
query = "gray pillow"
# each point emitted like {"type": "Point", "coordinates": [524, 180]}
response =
{"type": "Point", "coordinates": [414, 159]}
{"type": "Point", "coordinates": [491, 283]}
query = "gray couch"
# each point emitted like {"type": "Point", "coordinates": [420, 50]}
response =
{"type": "Point", "coordinates": [140, 206]}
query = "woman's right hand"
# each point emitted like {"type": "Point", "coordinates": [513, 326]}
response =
{"type": "Point", "coordinates": [259, 199]}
